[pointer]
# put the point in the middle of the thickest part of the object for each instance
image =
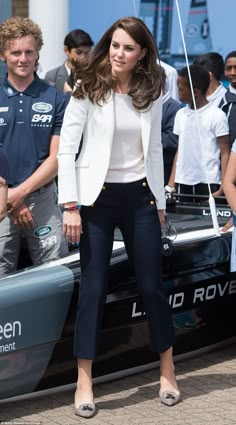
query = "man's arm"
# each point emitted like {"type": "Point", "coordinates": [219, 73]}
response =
{"type": "Point", "coordinates": [3, 198]}
{"type": "Point", "coordinates": [171, 181]}
{"type": "Point", "coordinates": [46, 172]}
{"type": "Point", "coordinates": [224, 143]}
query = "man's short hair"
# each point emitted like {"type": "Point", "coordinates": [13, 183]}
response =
{"type": "Point", "coordinates": [17, 27]}
{"type": "Point", "coordinates": [213, 62]}
{"type": "Point", "coordinates": [230, 55]}
{"type": "Point", "coordinates": [76, 38]}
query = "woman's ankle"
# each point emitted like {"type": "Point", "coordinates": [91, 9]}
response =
{"type": "Point", "coordinates": [83, 394]}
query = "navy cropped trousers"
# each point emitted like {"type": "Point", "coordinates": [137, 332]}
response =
{"type": "Point", "coordinates": [131, 207]}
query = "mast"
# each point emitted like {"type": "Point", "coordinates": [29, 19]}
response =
{"type": "Point", "coordinates": [157, 15]}
{"type": "Point", "coordinates": [149, 14]}
{"type": "Point", "coordinates": [165, 27]}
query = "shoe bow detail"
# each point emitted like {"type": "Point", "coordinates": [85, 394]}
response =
{"type": "Point", "coordinates": [87, 407]}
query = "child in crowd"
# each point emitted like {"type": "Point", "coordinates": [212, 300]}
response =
{"type": "Point", "coordinates": [228, 105]}
{"type": "Point", "coordinates": [198, 162]}
{"type": "Point", "coordinates": [213, 62]}
{"type": "Point", "coordinates": [170, 105]}
{"type": "Point", "coordinates": [77, 44]}
{"type": "Point", "coordinates": [169, 140]}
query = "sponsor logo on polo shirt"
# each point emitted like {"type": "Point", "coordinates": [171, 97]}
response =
{"type": "Point", "coordinates": [41, 118]}
{"type": "Point", "coordinates": [4, 108]}
{"type": "Point", "coordinates": [10, 91]}
{"type": "Point", "coordinates": [42, 231]}
{"type": "Point", "coordinates": [42, 107]}
{"type": "Point", "coordinates": [2, 122]}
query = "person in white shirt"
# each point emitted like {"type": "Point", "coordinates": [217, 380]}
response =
{"type": "Point", "coordinates": [171, 88]}
{"type": "Point", "coordinates": [199, 160]}
{"type": "Point", "coordinates": [118, 180]}
{"type": "Point", "coordinates": [213, 62]}
{"type": "Point", "coordinates": [228, 102]}
{"type": "Point", "coordinates": [228, 105]}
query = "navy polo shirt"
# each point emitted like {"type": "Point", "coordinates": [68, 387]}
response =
{"type": "Point", "coordinates": [28, 120]}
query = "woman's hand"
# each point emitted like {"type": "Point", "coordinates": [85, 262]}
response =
{"type": "Point", "coordinates": [72, 226]}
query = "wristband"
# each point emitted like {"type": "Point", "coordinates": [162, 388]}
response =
{"type": "Point", "coordinates": [72, 208]}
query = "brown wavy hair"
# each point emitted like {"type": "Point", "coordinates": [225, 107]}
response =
{"type": "Point", "coordinates": [94, 72]}
{"type": "Point", "coordinates": [17, 27]}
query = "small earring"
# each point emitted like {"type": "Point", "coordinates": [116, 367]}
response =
{"type": "Point", "coordinates": [138, 67]}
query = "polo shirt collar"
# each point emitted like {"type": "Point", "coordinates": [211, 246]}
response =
{"type": "Point", "coordinates": [32, 90]}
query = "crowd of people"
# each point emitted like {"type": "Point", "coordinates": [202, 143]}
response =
{"type": "Point", "coordinates": [117, 127]}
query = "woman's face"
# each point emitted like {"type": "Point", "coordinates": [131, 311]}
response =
{"type": "Point", "coordinates": [124, 53]}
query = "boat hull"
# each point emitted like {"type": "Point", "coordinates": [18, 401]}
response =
{"type": "Point", "coordinates": [38, 307]}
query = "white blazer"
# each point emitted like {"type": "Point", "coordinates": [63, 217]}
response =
{"type": "Point", "coordinates": [82, 181]}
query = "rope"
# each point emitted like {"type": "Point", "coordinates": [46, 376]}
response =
{"type": "Point", "coordinates": [211, 198]}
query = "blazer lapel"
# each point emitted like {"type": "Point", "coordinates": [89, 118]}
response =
{"type": "Point", "coordinates": [109, 118]}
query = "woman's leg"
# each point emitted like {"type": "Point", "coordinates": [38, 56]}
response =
{"type": "Point", "coordinates": [167, 370]}
{"type": "Point", "coordinates": [84, 390]}
{"type": "Point", "coordinates": [142, 237]}
{"type": "Point", "coordinates": [141, 231]}
{"type": "Point", "coordinates": [95, 253]}
{"type": "Point", "coordinates": [84, 405]}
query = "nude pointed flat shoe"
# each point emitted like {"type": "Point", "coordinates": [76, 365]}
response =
{"type": "Point", "coordinates": [86, 410]}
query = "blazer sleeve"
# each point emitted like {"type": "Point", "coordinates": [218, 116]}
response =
{"type": "Point", "coordinates": [72, 129]}
{"type": "Point", "coordinates": [155, 168]}
{"type": "Point", "coordinates": [50, 76]}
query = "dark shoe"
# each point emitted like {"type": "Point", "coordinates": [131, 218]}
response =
{"type": "Point", "coordinates": [86, 410]}
{"type": "Point", "coordinates": [169, 398]}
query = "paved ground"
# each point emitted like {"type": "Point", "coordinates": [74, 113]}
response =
{"type": "Point", "coordinates": [207, 383]}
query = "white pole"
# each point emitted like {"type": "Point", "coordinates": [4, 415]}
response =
{"type": "Point", "coordinates": [52, 17]}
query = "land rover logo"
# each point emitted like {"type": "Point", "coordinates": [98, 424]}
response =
{"type": "Point", "coordinates": [42, 231]}
{"type": "Point", "coordinates": [42, 107]}
{"type": "Point", "coordinates": [191, 30]}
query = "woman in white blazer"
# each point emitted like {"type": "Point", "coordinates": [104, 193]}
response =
{"type": "Point", "coordinates": [118, 181]}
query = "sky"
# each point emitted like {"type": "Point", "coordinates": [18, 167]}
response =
{"type": "Point", "coordinates": [95, 16]}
